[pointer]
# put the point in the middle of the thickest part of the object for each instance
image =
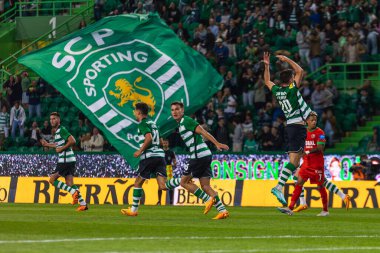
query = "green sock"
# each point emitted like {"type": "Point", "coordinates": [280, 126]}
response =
{"type": "Point", "coordinates": [80, 198]}
{"type": "Point", "coordinates": [285, 174]}
{"type": "Point", "coordinates": [61, 185]}
{"type": "Point", "coordinates": [172, 183]}
{"type": "Point", "coordinates": [202, 195]}
{"type": "Point", "coordinates": [137, 194]}
{"type": "Point", "coordinates": [219, 204]}
{"type": "Point", "coordinates": [333, 188]}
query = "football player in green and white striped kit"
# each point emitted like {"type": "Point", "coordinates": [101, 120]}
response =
{"type": "Point", "coordinates": [200, 159]}
{"type": "Point", "coordinates": [296, 111]}
{"type": "Point", "coordinates": [152, 158]}
{"type": "Point", "coordinates": [63, 141]}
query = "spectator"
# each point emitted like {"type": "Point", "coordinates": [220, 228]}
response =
{"type": "Point", "coordinates": [232, 34]}
{"type": "Point", "coordinates": [248, 83]}
{"type": "Point", "coordinates": [333, 90]}
{"type": "Point", "coordinates": [229, 102]}
{"type": "Point", "coordinates": [329, 127]}
{"type": "Point", "coordinates": [247, 124]}
{"type": "Point", "coordinates": [306, 91]}
{"type": "Point", "coordinates": [328, 101]}
{"type": "Point", "coordinates": [372, 39]}
{"type": "Point", "coordinates": [96, 141]}
{"type": "Point", "coordinates": [34, 92]}
{"type": "Point", "coordinates": [230, 82]}
{"type": "Point", "coordinates": [315, 50]}
{"type": "Point", "coordinates": [182, 32]}
{"type": "Point", "coordinates": [85, 143]}
{"type": "Point", "coordinates": [259, 91]}
{"type": "Point", "coordinates": [221, 52]}
{"type": "Point", "coordinates": [34, 135]}
{"type": "Point", "coordinates": [82, 24]}
{"type": "Point", "coordinates": [221, 132]}
{"type": "Point", "coordinates": [25, 83]}
{"type": "Point", "coordinates": [200, 34]}
{"type": "Point", "coordinates": [46, 131]}
{"type": "Point", "coordinates": [16, 94]}
{"type": "Point", "coordinates": [4, 125]}
{"type": "Point", "coordinates": [353, 50]}
{"type": "Point", "coordinates": [8, 86]}
{"type": "Point", "coordinates": [363, 106]}
{"type": "Point", "coordinates": [98, 9]}
{"type": "Point", "coordinates": [319, 97]}
{"type": "Point", "coordinates": [213, 27]}
{"type": "Point", "coordinates": [205, 8]}
{"type": "Point", "coordinates": [266, 139]}
{"type": "Point", "coordinates": [250, 144]}
{"type": "Point", "coordinates": [211, 119]}
{"type": "Point", "coordinates": [173, 14]}
{"type": "Point", "coordinates": [237, 136]}
{"type": "Point", "coordinates": [82, 127]}
{"type": "Point", "coordinates": [140, 9]}
{"type": "Point", "coordinates": [17, 119]}
{"type": "Point", "coordinates": [303, 45]}
{"type": "Point", "coordinates": [277, 139]}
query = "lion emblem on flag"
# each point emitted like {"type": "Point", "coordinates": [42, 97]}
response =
{"type": "Point", "coordinates": [125, 92]}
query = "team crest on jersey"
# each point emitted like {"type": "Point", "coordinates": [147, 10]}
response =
{"type": "Point", "coordinates": [109, 81]}
{"type": "Point", "coordinates": [313, 136]}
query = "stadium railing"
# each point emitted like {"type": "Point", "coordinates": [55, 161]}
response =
{"type": "Point", "coordinates": [43, 8]}
{"type": "Point", "coordinates": [10, 66]}
{"type": "Point", "coordinates": [348, 75]}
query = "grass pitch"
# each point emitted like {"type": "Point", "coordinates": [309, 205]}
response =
{"type": "Point", "coordinates": [59, 228]}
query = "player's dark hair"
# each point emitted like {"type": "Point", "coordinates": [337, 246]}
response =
{"type": "Point", "coordinates": [312, 113]}
{"type": "Point", "coordinates": [142, 107]}
{"type": "Point", "coordinates": [286, 75]}
{"type": "Point", "coordinates": [56, 114]}
{"type": "Point", "coordinates": [177, 103]}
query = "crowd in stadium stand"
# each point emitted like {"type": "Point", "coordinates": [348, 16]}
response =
{"type": "Point", "coordinates": [233, 35]}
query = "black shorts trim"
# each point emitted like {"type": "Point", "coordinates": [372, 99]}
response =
{"type": "Point", "coordinates": [301, 149]}
{"type": "Point", "coordinates": [295, 137]}
{"type": "Point", "coordinates": [199, 167]}
{"type": "Point", "coordinates": [153, 165]}
{"type": "Point", "coordinates": [65, 169]}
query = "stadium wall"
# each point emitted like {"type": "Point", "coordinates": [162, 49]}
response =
{"type": "Point", "coordinates": [118, 191]}
{"type": "Point", "coordinates": [258, 166]}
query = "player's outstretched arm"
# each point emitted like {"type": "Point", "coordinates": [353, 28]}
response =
{"type": "Point", "coordinates": [297, 68]}
{"type": "Point", "coordinates": [267, 81]}
{"type": "Point", "coordinates": [220, 146]}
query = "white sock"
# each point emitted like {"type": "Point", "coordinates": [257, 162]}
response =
{"type": "Point", "coordinates": [134, 209]}
{"type": "Point", "coordinates": [302, 201]}
{"type": "Point", "coordinates": [341, 194]}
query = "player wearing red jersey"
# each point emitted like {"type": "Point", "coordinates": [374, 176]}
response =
{"type": "Point", "coordinates": [312, 167]}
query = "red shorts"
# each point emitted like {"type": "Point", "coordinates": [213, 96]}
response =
{"type": "Point", "coordinates": [316, 176]}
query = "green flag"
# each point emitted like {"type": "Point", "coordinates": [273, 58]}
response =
{"type": "Point", "coordinates": [107, 67]}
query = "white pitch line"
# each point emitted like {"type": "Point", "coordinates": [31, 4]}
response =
{"type": "Point", "coordinates": [262, 250]}
{"type": "Point", "coordinates": [184, 238]}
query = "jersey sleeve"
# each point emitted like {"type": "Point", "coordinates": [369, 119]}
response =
{"type": "Point", "coordinates": [144, 128]}
{"type": "Point", "coordinates": [190, 124]}
{"type": "Point", "coordinates": [274, 89]}
{"type": "Point", "coordinates": [321, 138]}
{"type": "Point", "coordinates": [64, 133]}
